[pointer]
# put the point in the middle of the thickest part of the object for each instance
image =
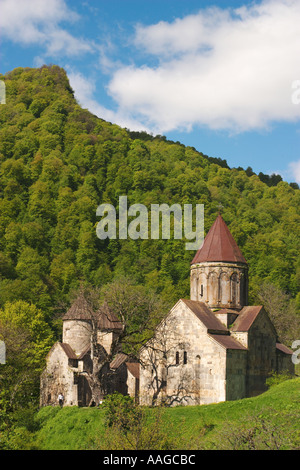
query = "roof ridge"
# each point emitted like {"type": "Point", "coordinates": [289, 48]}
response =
{"type": "Point", "coordinates": [205, 315]}
{"type": "Point", "coordinates": [68, 350]}
{"type": "Point", "coordinates": [80, 309]}
{"type": "Point", "coordinates": [219, 245]}
{"type": "Point", "coordinates": [106, 318]}
{"type": "Point", "coordinates": [228, 342]}
{"type": "Point", "coordinates": [246, 318]}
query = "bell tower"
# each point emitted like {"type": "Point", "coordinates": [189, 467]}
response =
{"type": "Point", "coordinates": [219, 271]}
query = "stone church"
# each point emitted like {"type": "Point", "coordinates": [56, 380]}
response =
{"type": "Point", "coordinates": [212, 347]}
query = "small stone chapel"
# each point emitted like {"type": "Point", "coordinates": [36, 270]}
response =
{"type": "Point", "coordinates": [212, 347]}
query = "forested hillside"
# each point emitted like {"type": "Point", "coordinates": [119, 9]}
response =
{"type": "Point", "coordinates": [59, 162]}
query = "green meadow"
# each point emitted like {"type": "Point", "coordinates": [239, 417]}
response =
{"type": "Point", "coordinates": [269, 421]}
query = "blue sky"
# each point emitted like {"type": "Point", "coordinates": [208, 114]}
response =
{"type": "Point", "coordinates": [221, 76]}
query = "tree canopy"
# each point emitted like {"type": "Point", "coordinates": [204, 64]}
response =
{"type": "Point", "coordinates": [59, 162]}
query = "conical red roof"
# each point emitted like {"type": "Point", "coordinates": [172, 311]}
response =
{"type": "Point", "coordinates": [219, 245]}
{"type": "Point", "coordinates": [80, 309]}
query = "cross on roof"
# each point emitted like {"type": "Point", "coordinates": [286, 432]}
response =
{"type": "Point", "coordinates": [220, 207]}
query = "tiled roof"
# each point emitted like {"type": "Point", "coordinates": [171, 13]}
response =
{"type": "Point", "coordinates": [246, 317]}
{"type": "Point", "coordinates": [282, 348]}
{"type": "Point", "coordinates": [134, 369]}
{"type": "Point", "coordinates": [68, 350]}
{"type": "Point", "coordinates": [84, 352]}
{"type": "Point", "coordinates": [81, 309]}
{"type": "Point", "coordinates": [107, 320]}
{"type": "Point", "coordinates": [207, 317]}
{"type": "Point", "coordinates": [118, 360]}
{"type": "Point", "coordinates": [219, 245]}
{"type": "Point", "coordinates": [228, 342]}
{"type": "Point", "coordinates": [226, 311]}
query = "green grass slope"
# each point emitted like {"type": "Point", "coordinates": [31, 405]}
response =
{"type": "Point", "coordinates": [269, 421]}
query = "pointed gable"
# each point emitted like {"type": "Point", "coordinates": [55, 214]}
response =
{"type": "Point", "coordinates": [228, 342]}
{"type": "Point", "coordinates": [205, 315]}
{"type": "Point", "coordinates": [79, 310]}
{"type": "Point", "coordinates": [215, 328]}
{"type": "Point", "coordinates": [82, 310]}
{"type": "Point", "coordinates": [68, 350]}
{"type": "Point", "coordinates": [107, 320]}
{"type": "Point", "coordinates": [254, 314]}
{"type": "Point", "coordinates": [246, 318]}
{"type": "Point", "coordinates": [219, 245]}
{"type": "Point", "coordinates": [283, 349]}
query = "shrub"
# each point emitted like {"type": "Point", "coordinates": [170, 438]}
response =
{"type": "Point", "coordinates": [133, 427]}
{"type": "Point", "coordinates": [277, 378]}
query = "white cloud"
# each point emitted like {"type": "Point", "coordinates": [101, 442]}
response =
{"type": "Point", "coordinates": [294, 169]}
{"type": "Point", "coordinates": [85, 89]}
{"type": "Point", "coordinates": [225, 69]}
{"type": "Point", "coordinates": [37, 22]}
{"type": "Point", "coordinates": [221, 69]}
{"type": "Point", "coordinates": [183, 35]}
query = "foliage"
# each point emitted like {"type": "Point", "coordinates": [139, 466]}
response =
{"type": "Point", "coordinates": [28, 339]}
{"type": "Point", "coordinates": [282, 310]}
{"type": "Point", "coordinates": [17, 430]}
{"type": "Point", "coordinates": [132, 427]}
{"type": "Point", "coordinates": [58, 162]}
{"type": "Point", "coordinates": [137, 307]}
{"type": "Point", "coordinates": [120, 411]}
{"type": "Point", "coordinates": [277, 378]}
{"type": "Point", "coordinates": [259, 432]}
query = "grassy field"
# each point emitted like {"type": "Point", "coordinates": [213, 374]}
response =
{"type": "Point", "coordinates": [269, 421]}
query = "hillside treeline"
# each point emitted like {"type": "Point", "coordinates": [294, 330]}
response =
{"type": "Point", "coordinates": [59, 162]}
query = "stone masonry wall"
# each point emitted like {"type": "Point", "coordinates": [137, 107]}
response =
{"type": "Point", "coordinates": [77, 334]}
{"type": "Point", "coordinates": [57, 378]}
{"type": "Point", "coordinates": [236, 374]}
{"type": "Point", "coordinates": [261, 355]}
{"type": "Point", "coordinates": [189, 367]}
{"type": "Point", "coordinates": [220, 285]}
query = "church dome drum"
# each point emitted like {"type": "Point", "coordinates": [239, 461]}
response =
{"type": "Point", "coordinates": [219, 271]}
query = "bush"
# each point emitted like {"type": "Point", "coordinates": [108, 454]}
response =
{"type": "Point", "coordinates": [120, 411]}
{"type": "Point", "coordinates": [259, 432]}
{"type": "Point", "coordinates": [133, 427]}
{"type": "Point", "coordinates": [277, 378]}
